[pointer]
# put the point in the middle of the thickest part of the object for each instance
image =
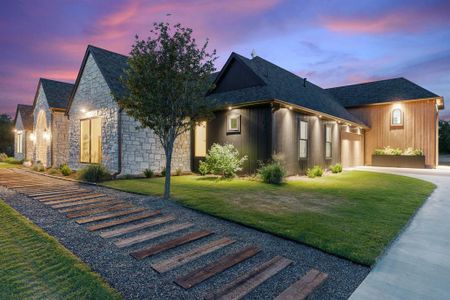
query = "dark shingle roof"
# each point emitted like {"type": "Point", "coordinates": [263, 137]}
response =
{"type": "Point", "coordinates": [26, 113]}
{"type": "Point", "coordinates": [281, 84]}
{"type": "Point", "coordinates": [389, 90]}
{"type": "Point", "coordinates": [57, 92]}
{"type": "Point", "coordinates": [113, 66]}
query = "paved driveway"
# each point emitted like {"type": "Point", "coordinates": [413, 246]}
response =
{"type": "Point", "coordinates": [417, 265]}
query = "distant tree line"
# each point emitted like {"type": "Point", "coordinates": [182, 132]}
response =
{"type": "Point", "coordinates": [444, 136]}
{"type": "Point", "coordinates": [6, 135]}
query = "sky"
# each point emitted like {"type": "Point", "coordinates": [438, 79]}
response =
{"type": "Point", "coordinates": [330, 42]}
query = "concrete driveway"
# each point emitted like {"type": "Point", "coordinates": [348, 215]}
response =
{"type": "Point", "coordinates": [417, 265]}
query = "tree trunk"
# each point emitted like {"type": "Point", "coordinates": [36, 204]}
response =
{"type": "Point", "coordinates": [168, 151]}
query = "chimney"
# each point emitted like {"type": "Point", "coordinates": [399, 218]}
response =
{"type": "Point", "coordinates": [304, 82]}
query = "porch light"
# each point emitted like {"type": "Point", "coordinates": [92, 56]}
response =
{"type": "Point", "coordinates": [229, 107]}
{"type": "Point", "coordinates": [320, 116]}
{"type": "Point", "coordinates": [83, 110]}
{"type": "Point", "coordinates": [290, 107]}
{"type": "Point", "coordinates": [46, 135]}
{"type": "Point", "coordinates": [14, 130]}
{"type": "Point", "coordinates": [32, 137]}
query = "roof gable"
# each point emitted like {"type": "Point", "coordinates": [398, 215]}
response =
{"type": "Point", "coordinates": [111, 65]}
{"type": "Point", "coordinates": [56, 92]}
{"type": "Point", "coordinates": [389, 90]}
{"type": "Point", "coordinates": [26, 114]}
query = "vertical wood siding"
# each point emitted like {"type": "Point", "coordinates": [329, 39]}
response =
{"type": "Point", "coordinates": [419, 128]}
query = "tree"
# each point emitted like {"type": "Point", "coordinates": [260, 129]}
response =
{"type": "Point", "coordinates": [444, 137]}
{"type": "Point", "coordinates": [167, 78]}
{"type": "Point", "coordinates": [6, 135]}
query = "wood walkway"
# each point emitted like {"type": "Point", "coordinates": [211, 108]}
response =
{"type": "Point", "coordinates": [151, 230]}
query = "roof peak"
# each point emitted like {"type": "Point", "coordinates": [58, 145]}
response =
{"type": "Point", "coordinates": [56, 81]}
{"type": "Point", "coordinates": [103, 49]}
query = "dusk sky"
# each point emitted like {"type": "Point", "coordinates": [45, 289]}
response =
{"type": "Point", "coordinates": [329, 42]}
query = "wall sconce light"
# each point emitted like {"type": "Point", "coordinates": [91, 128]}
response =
{"type": "Point", "coordinates": [46, 135]}
{"type": "Point", "coordinates": [320, 116]}
{"type": "Point", "coordinates": [32, 137]}
{"type": "Point", "coordinates": [14, 130]}
{"type": "Point", "coordinates": [290, 107]}
{"type": "Point", "coordinates": [83, 110]}
{"type": "Point", "coordinates": [229, 108]}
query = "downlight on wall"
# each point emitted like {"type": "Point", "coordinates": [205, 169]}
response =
{"type": "Point", "coordinates": [46, 135]}
{"type": "Point", "coordinates": [33, 137]}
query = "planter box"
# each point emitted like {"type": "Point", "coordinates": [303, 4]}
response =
{"type": "Point", "coordinates": [398, 161]}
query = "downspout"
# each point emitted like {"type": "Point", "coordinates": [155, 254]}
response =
{"type": "Point", "coordinates": [51, 139]}
{"type": "Point", "coordinates": [119, 143]}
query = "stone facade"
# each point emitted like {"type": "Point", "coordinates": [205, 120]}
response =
{"type": "Point", "coordinates": [60, 138]}
{"type": "Point", "coordinates": [27, 144]}
{"type": "Point", "coordinates": [141, 149]}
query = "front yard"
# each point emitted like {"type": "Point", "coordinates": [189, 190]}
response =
{"type": "Point", "coordinates": [354, 214]}
{"type": "Point", "coordinates": [34, 265]}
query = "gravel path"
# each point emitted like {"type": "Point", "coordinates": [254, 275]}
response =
{"type": "Point", "coordinates": [137, 280]}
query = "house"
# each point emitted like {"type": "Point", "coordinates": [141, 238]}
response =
{"type": "Point", "coordinates": [262, 109]}
{"type": "Point", "coordinates": [23, 128]}
{"type": "Point", "coordinates": [50, 125]}
{"type": "Point", "coordinates": [99, 131]}
{"type": "Point", "coordinates": [266, 111]}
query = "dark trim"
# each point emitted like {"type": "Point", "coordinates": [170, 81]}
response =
{"type": "Point", "coordinates": [119, 143]}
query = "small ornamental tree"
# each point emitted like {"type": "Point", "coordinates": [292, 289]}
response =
{"type": "Point", "coordinates": [167, 79]}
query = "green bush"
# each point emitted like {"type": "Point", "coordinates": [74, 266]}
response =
{"type": "Point", "coordinates": [397, 151]}
{"type": "Point", "coordinates": [53, 171]}
{"type": "Point", "coordinates": [316, 171]}
{"type": "Point", "coordinates": [3, 157]}
{"type": "Point", "coordinates": [38, 167]}
{"type": "Point", "coordinates": [273, 173]}
{"type": "Point", "coordinates": [179, 172]}
{"type": "Point", "coordinates": [148, 173]}
{"type": "Point", "coordinates": [337, 168]}
{"type": "Point", "coordinates": [65, 170]}
{"type": "Point", "coordinates": [94, 173]}
{"type": "Point", "coordinates": [222, 160]}
{"type": "Point", "coordinates": [203, 168]}
{"type": "Point", "coordinates": [163, 172]}
{"type": "Point", "coordinates": [12, 160]}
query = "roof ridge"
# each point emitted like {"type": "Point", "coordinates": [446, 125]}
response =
{"type": "Point", "coordinates": [53, 80]}
{"type": "Point", "coordinates": [367, 82]}
{"type": "Point", "coordinates": [106, 50]}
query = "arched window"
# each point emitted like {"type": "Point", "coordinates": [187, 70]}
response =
{"type": "Point", "coordinates": [397, 117]}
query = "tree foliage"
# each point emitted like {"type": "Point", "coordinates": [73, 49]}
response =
{"type": "Point", "coordinates": [167, 79]}
{"type": "Point", "coordinates": [6, 135]}
{"type": "Point", "coordinates": [444, 137]}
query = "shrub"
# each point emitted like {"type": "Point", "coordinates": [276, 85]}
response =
{"type": "Point", "coordinates": [316, 171]}
{"type": "Point", "coordinates": [179, 172]}
{"type": "Point", "coordinates": [65, 170]}
{"type": "Point", "coordinates": [273, 173]}
{"type": "Point", "coordinates": [337, 168]}
{"type": "Point", "coordinates": [53, 171]}
{"type": "Point", "coordinates": [3, 157]}
{"type": "Point", "coordinates": [203, 168]}
{"type": "Point", "coordinates": [148, 173]}
{"type": "Point", "coordinates": [397, 151]}
{"type": "Point", "coordinates": [418, 152]}
{"type": "Point", "coordinates": [94, 173]}
{"type": "Point", "coordinates": [38, 167]}
{"type": "Point", "coordinates": [163, 172]}
{"type": "Point", "coordinates": [12, 160]}
{"type": "Point", "coordinates": [223, 160]}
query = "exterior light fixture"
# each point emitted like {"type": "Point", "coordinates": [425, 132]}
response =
{"type": "Point", "coordinates": [290, 107]}
{"type": "Point", "coordinates": [14, 130]}
{"type": "Point", "coordinates": [229, 108]}
{"type": "Point", "coordinates": [83, 110]}
{"type": "Point", "coordinates": [32, 137]}
{"type": "Point", "coordinates": [46, 135]}
{"type": "Point", "coordinates": [320, 116]}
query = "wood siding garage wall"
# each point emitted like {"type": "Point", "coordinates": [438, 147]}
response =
{"type": "Point", "coordinates": [419, 128]}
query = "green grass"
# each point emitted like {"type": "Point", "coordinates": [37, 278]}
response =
{"type": "Point", "coordinates": [6, 165]}
{"type": "Point", "coordinates": [354, 214]}
{"type": "Point", "coordinates": [34, 265]}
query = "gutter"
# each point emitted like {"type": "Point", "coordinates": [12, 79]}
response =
{"type": "Point", "coordinates": [119, 143]}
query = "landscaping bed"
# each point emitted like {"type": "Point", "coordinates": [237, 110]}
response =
{"type": "Point", "coordinates": [353, 215]}
{"type": "Point", "coordinates": [34, 265]}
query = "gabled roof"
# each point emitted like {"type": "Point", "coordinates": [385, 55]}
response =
{"type": "Point", "coordinates": [280, 84]}
{"type": "Point", "coordinates": [57, 92]}
{"type": "Point", "coordinates": [26, 113]}
{"type": "Point", "coordinates": [389, 90]}
{"type": "Point", "coordinates": [112, 66]}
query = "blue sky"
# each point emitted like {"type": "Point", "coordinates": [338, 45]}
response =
{"type": "Point", "coordinates": [329, 42]}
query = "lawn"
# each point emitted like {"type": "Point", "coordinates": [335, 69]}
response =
{"type": "Point", "coordinates": [34, 265]}
{"type": "Point", "coordinates": [354, 214]}
{"type": "Point", "coordinates": [6, 165]}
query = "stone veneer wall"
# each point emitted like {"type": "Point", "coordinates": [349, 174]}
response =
{"type": "Point", "coordinates": [140, 147]}
{"type": "Point", "coordinates": [60, 138]}
{"type": "Point", "coordinates": [18, 127]}
{"type": "Point", "coordinates": [42, 104]}
{"type": "Point", "coordinates": [94, 95]}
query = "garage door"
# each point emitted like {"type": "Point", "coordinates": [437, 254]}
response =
{"type": "Point", "coordinates": [352, 149]}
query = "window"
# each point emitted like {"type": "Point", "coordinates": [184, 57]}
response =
{"type": "Point", "coordinates": [328, 143]}
{"type": "Point", "coordinates": [19, 142]}
{"type": "Point", "coordinates": [91, 141]}
{"type": "Point", "coordinates": [303, 139]}
{"type": "Point", "coordinates": [397, 117]}
{"type": "Point", "coordinates": [200, 140]}
{"type": "Point", "coordinates": [234, 124]}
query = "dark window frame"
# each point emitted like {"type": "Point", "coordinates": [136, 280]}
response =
{"type": "Point", "coordinates": [330, 142]}
{"type": "Point", "coordinates": [305, 139]}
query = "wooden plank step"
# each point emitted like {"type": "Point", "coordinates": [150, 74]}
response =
{"type": "Point", "coordinates": [52, 192]}
{"type": "Point", "coordinates": [303, 287]}
{"type": "Point", "coordinates": [123, 221]}
{"type": "Point", "coordinates": [67, 194]}
{"type": "Point", "coordinates": [90, 206]}
{"type": "Point", "coordinates": [63, 205]}
{"type": "Point", "coordinates": [136, 227]}
{"type": "Point", "coordinates": [247, 282]}
{"type": "Point", "coordinates": [183, 258]}
{"type": "Point", "coordinates": [109, 216]}
{"type": "Point", "coordinates": [190, 237]}
{"type": "Point", "coordinates": [225, 262]}
{"type": "Point", "coordinates": [19, 186]}
{"type": "Point", "coordinates": [92, 196]}
{"type": "Point", "coordinates": [121, 243]}
{"type": "Point", "coordinates": [90, 212]}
